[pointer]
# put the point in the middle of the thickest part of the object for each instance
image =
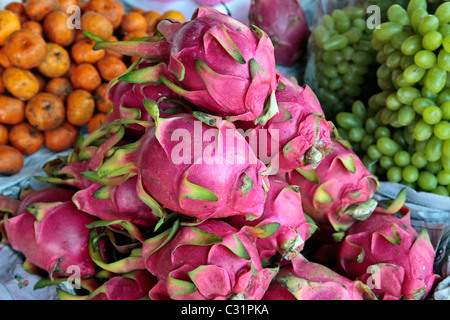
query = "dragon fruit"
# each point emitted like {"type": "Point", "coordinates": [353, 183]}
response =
{"type": "Point", "coordinates": [299, 131]}
{"type": "Point", "coordinates": [339, 191]}
{"type": "Point", "coordinates": [285, 23]}
{"type": "Point", "coordinates": [134, 285]}
{"type": "Point", "coordinates": [211, 260]}
{"type": "Point", "coordinates": [305, 280]}
{"type": "Point", "coordinates": [283, 206]}
{"type": "Point", "coordinates": [211, 173]}
{"type": "Point", "coordinates": [126, 97]}
{"type": "Point", "coordinates": [216, 62]}
{"type": "Point", "coordinates": [47, 195]}
{"type": "Point", "coordinates": [117, 202]}
{"type": "Point", "coordinates": [386, 252]}
{"type": "Point", "coordinates": [53, 237]}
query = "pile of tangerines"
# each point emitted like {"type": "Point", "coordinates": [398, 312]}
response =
{"type": "Point", "coordinates": [52, 83]}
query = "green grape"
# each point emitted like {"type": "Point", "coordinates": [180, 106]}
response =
{"type": "Point", "coordinates": [348, 120]}
{"type": "Point", "coordinates": [422, 130]}
{"type": "Point", "coordinates": [429, 23]}
{"type": "Point", "coordinates": [432, 115]}
{"type": "Point", "coordinates": [408, 95]}
{"type": "Point", "coordinates": [394, 60]}
{"type": "Point", "coordinates": [383, 72]}
{"type": "Point", "coordinates": [356, 134]}
{"type": "Point", "coordinates": [410, 174]}
{"type": "Point", "coordinates": [419, 160]}
{"type": "Point", "coordinates": [321, 35]}
{"type": "Point", "coordinates": [369, 164]}
{"type": "Point", "coordinates": [355, 12]}
{"type": "Point", "coordinates": [401, 82]}
{"type": "Point", "coordinates": [432, 40]}
{"type": "Point", "coordinates": [385, 116]}
{"type": "Point", "coordinates": [445, 163]}
{"type": "Point", "coordinates": [333, 57]}
{"type": "Point", "coordinates": [343, 67]}
{"type": "Point", "coordinates": [444, 29]}
{"type": "Point", "coordinates": [393, 103]}
{"type": "Point", "coordinates": [348, 53]}
{"type": "Point", "coordinates": [353, 35]}
{"type": "Point", "coordinates": [396, 13]}
{"type": "Point", "coordinates": [428, 94]}
{"type": "Point", "coordinates": [387, 30]}
{"type": "Point", "coordinates": [413, 73]}
{"type": "Point", "coordinates": [382, 132]}
{"type": "Point", "coordinates": [443, 178]}
{"type": "Point", "coordinates": [443, 96]}
{"type": "Point", "coordinates": [413, 5]}
{"type": "Point", "coordinates": [336, 42]}
{"type": "Point", "coordinates": [446, 149]}
{"type": "Point", "coordinates": [399, 137]}
{"type": "Point", "coordinates": [441, 190]}
{"type": "Point", "coordinates": [425, 59]}
{"type": "Point", "coordinates": [360, 24]}
{"type": "Point", "coordinates": [435, 79]}
{"type": "Point", "coordinates": [376, 44]}
{"type": "Point", "coordinates": [371, 125]}
{"type": "Point", "coordinates": [359, 109]}
{"type": "Point", "coordinates": [443, 60]}
{"type": "Point", "coordinates": [394, 174]}
{"type": "Point", "coordinates": [373, 153]}
{"type": "Point", "coordinates": [336, 83]}
{"type": "Point", "coordinates": [416, 18]}
{"type": "Point", "coordinates": [387, 146]}
{"type": "Point", "coordinates": [406, 61]}
{"type": "Point", "coordinates": [398, 39]}
{"type": "Point", "coordinates": [386, 162]}
{"type": "Point", "coordinates": [445, 108]}
{"type": "Point", "coordinates": [419, 104]}
{"type": "Point", "coordinates": [433, 150]}
{"type": "Point", "coordinates": [359, 70]}
{"type": "Point", "coordinates": [427, 181]}
{"type": "Point", "coordinates": [412, 45]}
{"type": "Point", "coordinates": [352, 90]}
{"type": "Point", "coordinates": [366, 142]}
{"type": "Point", "coordinates": [442, 130]}
{"type": "Point", "coordinates": [446, 43]}
{"type": "Point", "coordinates": [402, 158]}
{"type": "Point", "coordinates": [406, 115]}
{"type": "Point", "coordinates": [328, 22]}
{"type": "Point", "coordinates": [434, 167]}
{"type": "Point", "coordinates": [341, 21]}
{"type": "Point", "coordinates": [442, 13]}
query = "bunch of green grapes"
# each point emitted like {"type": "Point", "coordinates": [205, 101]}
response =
{"type": "Point", "coordinates": [343, 55]}
{"type": "Point", "coordinates": [403, 134]}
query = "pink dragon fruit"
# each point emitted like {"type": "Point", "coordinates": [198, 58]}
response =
{"type": "Point", "coordinates": [127, 97]}
{"type": "Point", "coordinates": [214, 61]}
{"type": "Point", "coordinates": [209, 261]}
{"type": "Point", "coordinates": [283, 206]}
{"type": "Point", "coordinates": [117, 202]}
{"type": "Point", "coordinates": [134, 285]}
{"type": "Point", "coordinates": [339, 191]}
{"type": "Point", "coordinates": [211, 173]}
{"type": "Point", "coordinates": [47, 195]}
{"type": "Point", "coordinates": [299, 131]}
{"type": "Point", "coordinates": [388, 253]}
{"type": "Point", "coordinates": [305, 280]}
{"type": "Point", "coordinates": [53, 237]}
{"type": "Point", "coordinates": [285, 23]}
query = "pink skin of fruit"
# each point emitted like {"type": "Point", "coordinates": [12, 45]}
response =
{"type": "Point", "coordinates": [299, 130]}
{"type": "Point", "coordinates": [301, 279]}
{"type": "Point", "coordinates": [285, 23]}
{"type": "Point", "coordinates": [214, 61]}
{"type": "Point", "coordinates": [339, 191]}
{"type": "Point", "coordinates": [117, 202]}
{"type": "Point", "coordinates": [211, 260]}
{"type": "Point", "coordinates": [387, 252]}
{"type": "Point", "coordinates": [53, 240]}
{"type": "Point", "coordinates": [283, 206]}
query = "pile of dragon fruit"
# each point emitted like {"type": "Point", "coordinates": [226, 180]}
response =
{"type": "Point", "coordinates": [143, 209]}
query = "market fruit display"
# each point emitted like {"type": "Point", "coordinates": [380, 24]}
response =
{"type": "Point", "coordinates": [169, 198]}
{"type": "Point", "coordinates": [402, 132]}
{"type": "Point", "coordinates": [41, 55]}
